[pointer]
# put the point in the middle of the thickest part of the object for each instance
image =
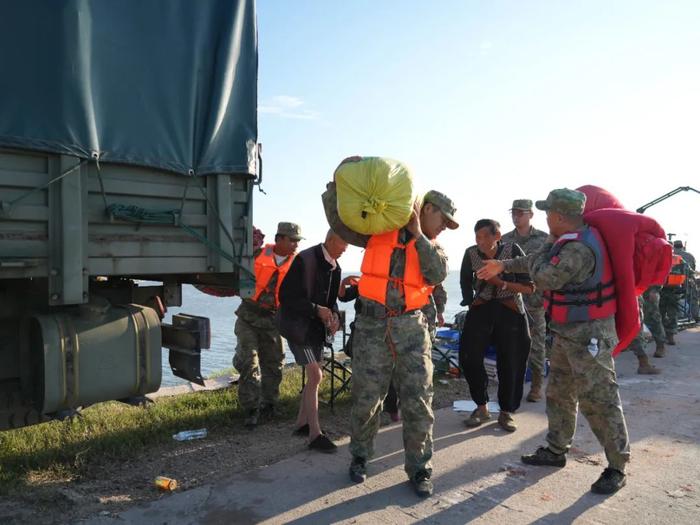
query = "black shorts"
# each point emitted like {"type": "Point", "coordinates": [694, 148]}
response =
{"type": "Point", "coordinates": [306, 354]}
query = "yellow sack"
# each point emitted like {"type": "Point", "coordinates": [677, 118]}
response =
{"type": "Point", "coordinates": [375, 195]}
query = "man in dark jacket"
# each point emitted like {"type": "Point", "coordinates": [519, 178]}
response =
{"type": "Point", "coordinates": [308, 316]}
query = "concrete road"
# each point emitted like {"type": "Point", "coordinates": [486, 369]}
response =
{"type": "Point", "coordinates": [477, 473]}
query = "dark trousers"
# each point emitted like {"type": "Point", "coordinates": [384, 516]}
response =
{"type": "Point", "coordinates": [494, 323]}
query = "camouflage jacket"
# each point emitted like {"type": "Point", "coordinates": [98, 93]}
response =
{"type": "Point", "coordinates": [574, 265]}
{"type": "Point", "coordinates": [433, 266]}
{"type": "Point", "coordinates": [530, 244]}
{"type": "Point", "coordinates": [439, 297]}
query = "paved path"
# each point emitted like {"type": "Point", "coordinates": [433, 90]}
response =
{"type": "Point", "coordinates": [478, 476]}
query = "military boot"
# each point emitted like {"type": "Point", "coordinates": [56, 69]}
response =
{"type": "Point", "coordinates": [422, 484]}
{"type": "Point", "coordinates": [358, 469]}
{"type": "Point", "coordinates": [269, 412]}
{"type": "Point", "coordinates": [609, 482]}
{"type": "Point", "coordinates": [670, 340]}
{"type": "Point", "coordinates": [251, 418]}
{"type": "Point", "coordinates": [543, 457]}
{"type": "Point", "coordinates": [645, 367]}
{"type": "Point", "coordinates": [660, 349]}
{"type": "Point", "coordinates": [535, 393]}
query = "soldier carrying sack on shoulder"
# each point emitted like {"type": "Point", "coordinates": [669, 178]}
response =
{"type": "Point", "coordinates": [391, 338]}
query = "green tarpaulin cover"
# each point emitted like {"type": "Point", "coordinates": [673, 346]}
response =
{"type": "Point", "coordinates": [168, 84]}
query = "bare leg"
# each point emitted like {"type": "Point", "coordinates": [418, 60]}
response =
{"type": "Point", "coordinates": [302, 419]}
{"type": "Point", "coordinates": [309, 400]}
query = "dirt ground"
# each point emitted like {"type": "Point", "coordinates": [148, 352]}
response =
{"type": "Point", "coordinates": [106, 487]}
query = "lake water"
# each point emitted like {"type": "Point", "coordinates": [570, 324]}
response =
{"type": "Point", "coordinates": [220, 311]}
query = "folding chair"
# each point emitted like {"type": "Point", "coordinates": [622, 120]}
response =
{"type": "Point", "coordinates": [446, 346]}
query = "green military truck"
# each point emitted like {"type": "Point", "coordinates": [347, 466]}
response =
{"type": "Point", "coordinates": [128, 160]}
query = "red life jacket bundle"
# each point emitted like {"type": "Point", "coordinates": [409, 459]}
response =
{"type": "Point", "coordinates": [592, 299]}
{"type": "Point", "coordinates": [640, 255]}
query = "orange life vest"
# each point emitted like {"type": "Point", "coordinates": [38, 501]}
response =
{"type": "Point", "coordinates": [677, 275]}
{"type": "Point", "coordinates": [265, 268]}
{"type": "Point", "coordinates": [375, 272]}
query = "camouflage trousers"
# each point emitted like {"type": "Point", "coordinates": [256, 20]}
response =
{"type": "Point", "coordinates": [259, 359]}
{"type": "Point", "coordinates": [430, 313]}
{"type": "Point", "coordinates": [538, 332]}
{"type": "Point", "coordinates": [639, 343]}
{"type": "Point", "coordinates": [652, 314]}
{"type": "Point", "coordinates": [578, 379]}
{"type": "Point", "coordinates": [396, 349]}
{"type": "Point", "coordinates": [668, 306]}
{"type": "Point", "coordinates": [693, 300]}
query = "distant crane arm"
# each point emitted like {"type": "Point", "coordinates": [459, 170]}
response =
{"type": "Point", "coordinates": [643, 208]}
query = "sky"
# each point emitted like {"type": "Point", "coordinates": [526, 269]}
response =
{"type": "Point", "coordinates": [486, 101]}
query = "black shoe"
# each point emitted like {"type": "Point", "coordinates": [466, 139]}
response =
{"type": "Point", "coordinates": [358, 469]}
{"type": "Point", "coordinates": [323, 444]}
{"type": "Point", "coordinates": [422, 484]}
{"type": "Point", "coordinates": [251, 419]}
{"type": "Point", "coordinates": [544, 457]}
{"type": "Point", "coordinates": [303, 430]}
{"type": "Point", "coordinates": [609, 482]}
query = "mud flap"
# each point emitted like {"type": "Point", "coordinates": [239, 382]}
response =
{"type": "Point", "coordinates": [185, 339]}
{"type": "Point", "coordinates": [186, 364]}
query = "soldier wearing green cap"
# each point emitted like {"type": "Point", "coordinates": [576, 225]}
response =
{"type": "Point", "coordinates": [530, 239]}
{"type": "Point", "coordinates": [573, 270]}
{"type": "Point", "coordinates": [391, 340]}
{"type": "Point", "coordinates": [259, 356]}
{"type": "Point", "coordinates": [638, 344]}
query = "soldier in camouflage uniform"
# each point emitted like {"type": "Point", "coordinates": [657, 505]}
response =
{"type": "Point", "coordinates": [652, 318]}
{"type": "Point", "coordinates": [392, 340]}
{"type": "Point", "coordinates": [582, 369]}
{"type": "Point", "coordinates": [434, 315]}
{"type": "Point", "coordinates": [638, 344]}
{"type": "Point", "coordinates": [692, 289]}
{"type": "Point", "coordinates": [434, 311]}
{"type": "Point", "coordinates": [679, 249]}
{"type": "Point", "coordinates": [669, 309]}
{"type": "Point", "coordinates": [531, 240]}
{"type": "Point", "coordinates": [259, 353]}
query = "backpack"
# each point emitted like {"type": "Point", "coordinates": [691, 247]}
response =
{"type": "Point", "coordinates": [639, 254]}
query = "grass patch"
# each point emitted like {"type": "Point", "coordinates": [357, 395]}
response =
{"type": "Point", "coordinates": [110, 432]}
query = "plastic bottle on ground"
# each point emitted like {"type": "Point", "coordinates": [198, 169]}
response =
{"type": "Point", "coordinates": [188, 435]}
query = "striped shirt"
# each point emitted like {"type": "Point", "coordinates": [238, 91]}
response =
{"type": "Point", "coordinates": [473, 288]}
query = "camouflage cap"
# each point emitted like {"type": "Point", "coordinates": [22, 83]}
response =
{"type": "Point", "coordinates": [564, 201]}
{"type": "Point", "coordinates": [446, 206]}
{"type": "Point", "coordinates": [289, 229]}
{"type": "Point", "coordinates": [522, 204]}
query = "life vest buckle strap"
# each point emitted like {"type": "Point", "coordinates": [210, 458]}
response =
{"type": "Point", "coordinates": [582, 302]}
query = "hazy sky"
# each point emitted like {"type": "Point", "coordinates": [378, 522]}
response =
{"type": "Point", "coordinates": [486, 101]}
